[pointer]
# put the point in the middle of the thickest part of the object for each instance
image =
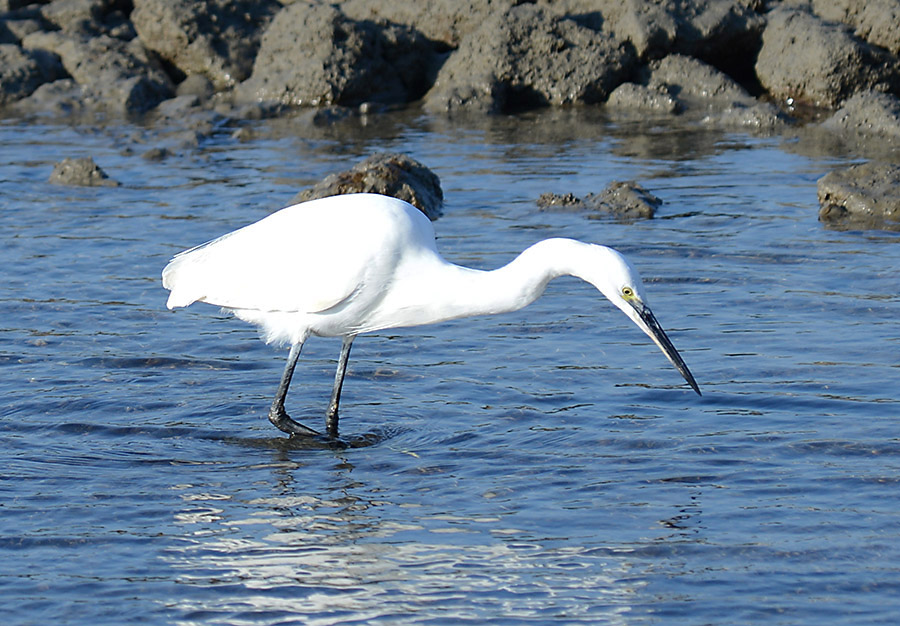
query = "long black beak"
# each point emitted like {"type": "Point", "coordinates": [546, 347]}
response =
{"type": "Point", "coordinates": [658, 335]}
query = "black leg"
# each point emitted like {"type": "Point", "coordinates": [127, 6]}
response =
{"type": "Point", "coordinates": [277, 414]}
{"type": "Point", "coordinates": [331, 417]}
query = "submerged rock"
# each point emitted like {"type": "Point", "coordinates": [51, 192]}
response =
{"type": "Point", "coordinates": [560, 203]}
{"type": "Point", "coordinates": [621, 199]}
{"type": "Point", "coordinates": [389, 174]}
{"type": "Point", "coordinates": [80, 171]}
{"type": "Point", "coordinates": [861, 196]}
{"type": "Point", "coordinates": [624, 199]}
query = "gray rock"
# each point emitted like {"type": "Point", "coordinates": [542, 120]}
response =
{"type": "Point", "coordinates": [722, 32]}
{"type": "Point", "coordinates": [313, 55]}
{"type": "Point", "coordinates": [75, 15]}
{"type": "Point", "coordinates": [115, 75]}
{"type": "Point", "coordinates": [868, 114]}
{"type": "Point", "coordinates": [388, 174]}
{"type": "Point", "coordinates": [196, 85]}
{"type": "Point", "coordinates": [61, 98]}
{"type": "Point", "coordinates": [14, 30]}
{"type": "Point", "coordinates": [861, 196]}
{"type": "Point", "coordinates": [526, 57]}
{"type": "Point", "coordinates": [624, 200]}
{"type": "Point", "coordinates": [701, 88]}
{"type": "Point", "coordinates": [88, 18]}
{"type": "Point", "coordinates": [621, 199]}
{"type": "Point", "coordinates": [678, 83]}
{"type": "Point", "coordinates": [216, 38]}
{"type": "Point", "coordinates": [640, 100]}
{"type": "Point", "coordinates": [696, 83]}
{"type": "Point", "coordinates": [444, 21]}
{"type": "Point", "coordinates": [23, 71]}
{"type": "Point", "coordinates": [810, 60]}
{"type": "Point", "coordinates": [876, 21]}
{"type": "Point", "coordinates": [81, 171]}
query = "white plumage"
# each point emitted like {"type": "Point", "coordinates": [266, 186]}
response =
{"type": "Point", "coordinates": [356, 263]}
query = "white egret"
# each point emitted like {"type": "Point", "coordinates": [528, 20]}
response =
{"type": "Point", "coordinates": [356, 263]}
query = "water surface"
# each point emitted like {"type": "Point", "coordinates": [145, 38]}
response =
{"type": "Point", "coordinates": [545, 466]}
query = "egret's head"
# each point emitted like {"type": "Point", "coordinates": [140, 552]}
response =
{"type": "Point", "coordinates": [617, 279]}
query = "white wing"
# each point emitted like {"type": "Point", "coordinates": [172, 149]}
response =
{"type": "Point", "coordinates": [305, 258]}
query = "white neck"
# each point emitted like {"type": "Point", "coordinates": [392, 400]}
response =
{"type": "Point", "coordinates": [447, 291]}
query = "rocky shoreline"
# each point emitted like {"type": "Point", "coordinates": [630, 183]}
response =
{"type": "Point", "coordinates": [748, 65]}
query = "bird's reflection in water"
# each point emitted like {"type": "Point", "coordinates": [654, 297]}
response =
{"type": "Point", "coordinates": [349, 550]}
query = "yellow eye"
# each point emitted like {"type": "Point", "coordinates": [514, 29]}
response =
{"type": "Point", "coordinates": [627, 292]}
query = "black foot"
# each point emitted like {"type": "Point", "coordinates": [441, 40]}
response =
{"type": "Point", "coordinates": [279, 417]}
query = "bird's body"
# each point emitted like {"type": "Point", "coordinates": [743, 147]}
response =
{"type": "Point", "coordinates": [357, 263]}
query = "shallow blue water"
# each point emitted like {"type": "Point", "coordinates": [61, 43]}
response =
{"type": "Point", "coordinates": [546, 466]}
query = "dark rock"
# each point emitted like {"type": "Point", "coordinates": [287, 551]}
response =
{"type": "Point", "coordinates": [807, 59]}
{"type": "Point", "coordinates": [621, 199]}
{"type": "Point", "coordinates": [313, 55]}
{"type": "Point", "coordinates": [388, 174]}
{"type": "Point", "coordinates": [80, 171]}
{"type": "Point", "coordinates": [526, 57]}
{"type": "Point", "coordinates": [114, 74]}
{"type": "Point", "coordinates": [868, 114]}
{"type": "Point", "coordinates": [876, 21]}
{"type": "Point", "coordinates": [23, 71]}
{"type": "Point", "coordinates": [861, 196]}
{"type": "Point", "coordinates": [215, 38]}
